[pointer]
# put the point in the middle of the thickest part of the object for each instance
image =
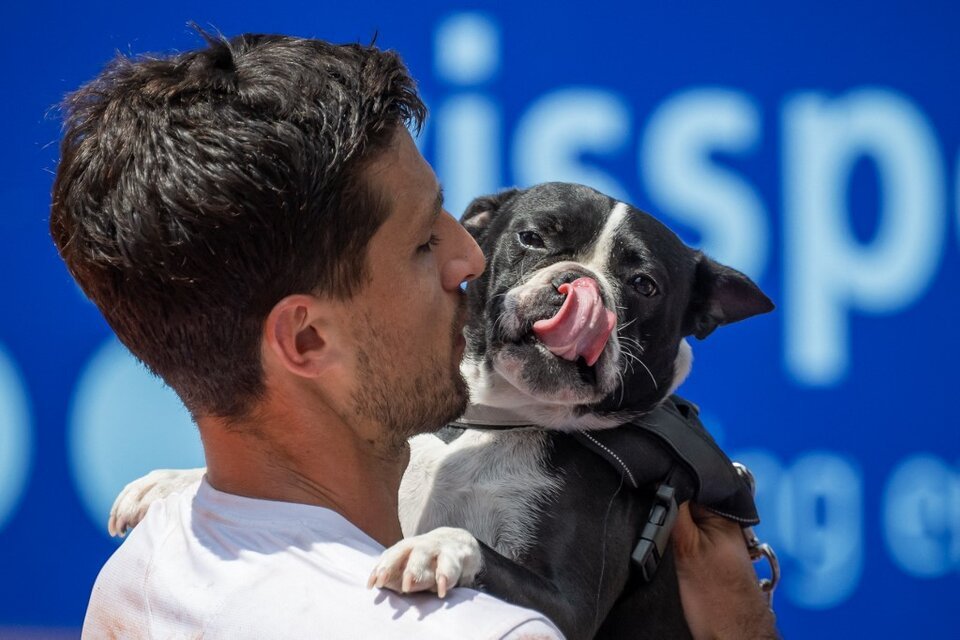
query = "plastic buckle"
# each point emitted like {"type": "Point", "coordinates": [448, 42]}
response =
{"type": "Point", "coordinates": [656, 532]}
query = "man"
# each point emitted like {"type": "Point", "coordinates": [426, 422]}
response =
{"type": "Point", "coordinates": [257, 226]}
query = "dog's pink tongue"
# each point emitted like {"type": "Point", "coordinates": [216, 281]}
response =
{"type": "Point", "coordinates": [581, 327]}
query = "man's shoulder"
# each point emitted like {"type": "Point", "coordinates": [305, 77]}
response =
{"type": "Point", "coordinates": [119, 598]}
{"type": "Point", "coordinates": [140, 545]}
{"type": "Point", "coordinates": [185, 570]}
{"type": "Point", "coordinates": [464, 613]}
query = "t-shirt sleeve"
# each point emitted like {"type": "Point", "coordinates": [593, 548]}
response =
{"type": "Point", "coordinates": [535, 629]}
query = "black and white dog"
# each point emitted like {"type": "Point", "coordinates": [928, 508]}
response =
{"type": "Point", "coordinates": [578, 323]}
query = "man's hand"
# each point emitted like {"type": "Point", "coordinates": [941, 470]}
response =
{"type": "Point", "coordinates": [718, 586]}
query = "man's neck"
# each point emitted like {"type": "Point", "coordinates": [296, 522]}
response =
{"type": "Point", "coordinates": [317, 460]}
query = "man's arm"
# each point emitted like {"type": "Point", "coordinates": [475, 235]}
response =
{"type": "Point", "coordinates": [718, 586]}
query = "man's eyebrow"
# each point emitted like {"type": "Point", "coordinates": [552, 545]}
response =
{"type": "Point", "coordinates": [429, 219]}
{"type": "Point", "coordinates": [438, 207]}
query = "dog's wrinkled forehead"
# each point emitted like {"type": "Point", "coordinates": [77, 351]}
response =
{"type": "Point", "coordinates": [587, 221]}
{"type": "Point", "coordinates": [571, 207]}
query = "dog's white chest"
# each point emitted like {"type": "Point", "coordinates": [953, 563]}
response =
{"type": "Point", "coordinates": [491, 483]}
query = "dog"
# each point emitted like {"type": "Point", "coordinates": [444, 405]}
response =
{"type": "Point", "coordinates": [578, 324]}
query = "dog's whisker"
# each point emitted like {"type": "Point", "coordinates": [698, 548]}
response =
{"type": "Point", "coordinates": [633, 342]}
{"type": "Point", "coordinates": [498, 324]}
{"type": "Point", "coordinates": [642, 364]}
{"type": "Point", "coordinates": [629, 358]}
{"type": "Point", "coordinates": [630, 339]}
{"type": "Point", "coordinates": [628, 350]}
{"type": "Point", "coordinates": [632, 345]}
{"type": "Point", "coordinates": [620, 376]}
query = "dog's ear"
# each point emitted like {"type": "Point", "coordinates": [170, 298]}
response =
{"type": "Point", "coordinates": [481, 212]}
{"type": "Point", "coordinates": [722, 295]}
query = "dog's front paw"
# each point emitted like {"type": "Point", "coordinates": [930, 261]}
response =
{"type": "Point", "coordinates": [435, 561]}
{"type": "Point", "coordinates": [135, 498]}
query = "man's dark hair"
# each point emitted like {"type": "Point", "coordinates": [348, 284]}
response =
{"type": "Point", "coordinates": [195, 191]}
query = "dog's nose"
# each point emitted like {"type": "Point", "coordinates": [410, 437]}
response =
{"type": "Point", "coordinates": [568, 277]}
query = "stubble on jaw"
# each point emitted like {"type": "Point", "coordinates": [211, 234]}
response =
{"type": "Point", "coordinates": [408, 403]}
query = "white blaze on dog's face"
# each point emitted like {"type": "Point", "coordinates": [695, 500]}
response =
{"type": "Point", "coordinates": [585, 304]}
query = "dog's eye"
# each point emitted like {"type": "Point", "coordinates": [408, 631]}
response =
{"type": "Point", "coordinates": [645, 286]}
{"type": "Point", "coordinates": [531, 239]}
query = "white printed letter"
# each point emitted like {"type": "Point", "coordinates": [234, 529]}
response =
{"type": "Point", "coordinates": [921, 517]}
{"type": "Point", "coordinates": [821, 526]}
{"type": "Point", "coordinates": [683, 179]}
{"type": "Point", "coordinates": [562, 126]}
{"type": "Point", "coordinates": [827, 271]}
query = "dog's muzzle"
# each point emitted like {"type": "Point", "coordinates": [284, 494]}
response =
{"type": "Point", "coordinates": [582, 326]}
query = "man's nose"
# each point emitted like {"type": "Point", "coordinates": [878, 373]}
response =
{"type": "Point", "coordinates": [466, 260]}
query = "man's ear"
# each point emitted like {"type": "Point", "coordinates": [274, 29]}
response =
{"type": "Point", "coordinates": [722, 295]}
{"type": "Point", "coordinates": [297, 336]}
{"type": "Point", "coordinates": [481, 212]}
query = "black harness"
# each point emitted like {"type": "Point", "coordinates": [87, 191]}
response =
{"type": "Point", "coordinates": [671, 448]}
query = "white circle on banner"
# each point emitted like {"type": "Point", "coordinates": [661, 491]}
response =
{"type": "Point", "coordinates": [467, 49]}
{"type": "Point", "coordinates": [124, 422]}
{"type": "Point", "coordinates": [15, 437]}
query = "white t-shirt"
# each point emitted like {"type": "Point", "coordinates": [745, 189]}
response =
{"type": "Point", "coordinates": [208, 564]}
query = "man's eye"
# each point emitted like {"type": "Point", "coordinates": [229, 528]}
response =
{"type": "Point", "coordinates": [531, 239]}
{"type": "Point", "coordinates": [429, 244]}
{"type": "Point", "coordinates": [645, 286]}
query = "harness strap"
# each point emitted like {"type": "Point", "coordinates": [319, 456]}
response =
{"type": "Point", "coordinates": [671, 441]}
{"type": "Point", "coordinates": [668, 447]}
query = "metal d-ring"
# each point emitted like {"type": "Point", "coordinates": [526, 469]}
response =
{"type": "Point", "coordinates": [757, 549]}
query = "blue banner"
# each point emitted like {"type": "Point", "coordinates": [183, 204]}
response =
{"type": "Point", "coordinates": [812, 145]}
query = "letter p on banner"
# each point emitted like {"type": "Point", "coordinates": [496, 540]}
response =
{"type": "Point", "coordinates": [828, 271]}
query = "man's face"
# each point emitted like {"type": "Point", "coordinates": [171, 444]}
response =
{"type": "Point", "coordinates": [409, 317]}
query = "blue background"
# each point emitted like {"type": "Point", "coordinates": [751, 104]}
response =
{"type": "Point", "coordinates": [813, 145]}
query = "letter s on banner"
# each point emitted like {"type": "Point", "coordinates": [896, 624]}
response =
{"type": "Point", "coordinates": [559, 127]}
{"type": "Point", "coordinates": [685, 182]}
